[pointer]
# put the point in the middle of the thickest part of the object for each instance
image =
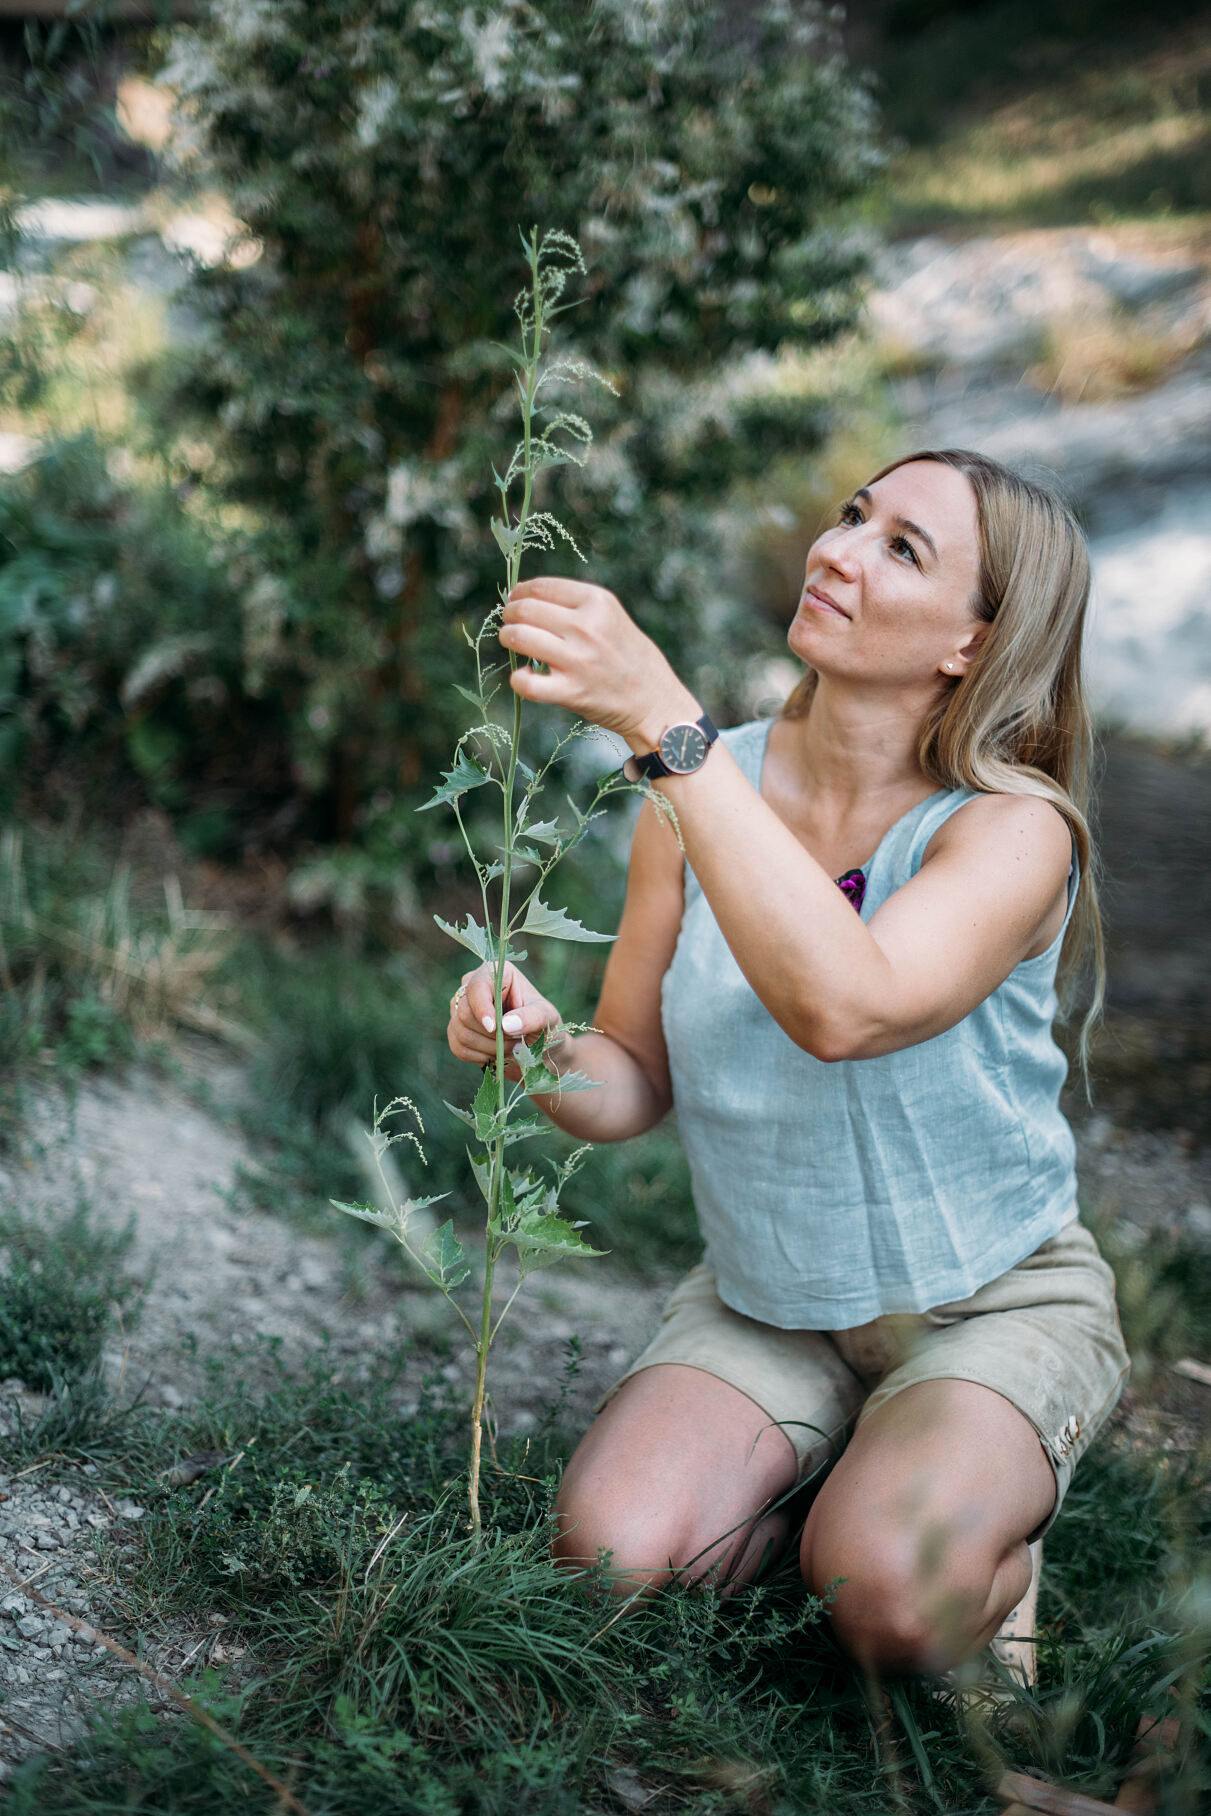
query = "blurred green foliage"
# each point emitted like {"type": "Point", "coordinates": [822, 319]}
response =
{"type": "Point", "coordinates": [333, 416]}
{"type": "Point", "coordinates": [120, 636]}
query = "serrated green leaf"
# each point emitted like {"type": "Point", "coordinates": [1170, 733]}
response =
{"type": "Point", "coordinates": [465, 775]}
{"type": "Point", "coordinates": [486, 1106]}
{"type": "Point", "coordinates": [521, 1128]}
{"type": "Point", "coordinates": [481, 1167]}
{"type": "Point", "coordinates": [366, 1213]}
{"type": "Point", "coordinates": [537, 1079]}
{"type": "Point", "coordinates": [479, 940]}
{"type": "Point", "coordinates": [556, 923]}
{"type": "Point", "coordinates": [541, 1240]}
{"type": "Point", "coordinates": [393, 1220]}
{"type": "Point", "coordinates": [545, 831]}
{"type": "Point", "coordinates": [445, 1258]}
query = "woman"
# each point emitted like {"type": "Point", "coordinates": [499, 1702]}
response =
{"type": "Point", "coordinates": [868, 1100]}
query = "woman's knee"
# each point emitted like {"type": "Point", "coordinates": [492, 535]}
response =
{"type": "Point", "coordinates": [872, 1597]}
{"type": "Point", "coordinates": [640, 1547]}
{"type": "Point", "coordinates": [900, 1598]}
{"type": "Point", "coordinates": [647, 1546]}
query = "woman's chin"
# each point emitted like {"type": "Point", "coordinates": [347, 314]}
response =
{"type": "Point", "coordinates": [805, 641]}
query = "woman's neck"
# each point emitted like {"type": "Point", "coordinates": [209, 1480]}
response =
{"type": "Point", "coordinates": [857, 751]}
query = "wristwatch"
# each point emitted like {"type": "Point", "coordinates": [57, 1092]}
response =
{"type": "Point", "coordinates": [682, 749]}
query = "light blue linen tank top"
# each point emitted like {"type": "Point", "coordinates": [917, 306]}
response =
{"type": "Point", "coordinates": [829, 1194]}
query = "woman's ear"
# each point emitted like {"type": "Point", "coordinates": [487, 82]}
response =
{"type": "Point", "coordinates": [960, 660]}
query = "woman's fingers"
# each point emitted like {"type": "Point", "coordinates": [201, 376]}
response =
{"type": "Point", "coordinates": [532, 642]}
{"type": "Point", "coordinates": [472, 1031]}
{"type": "Point", "coordinates": [558, 591]}
{"type": "Point", "coordinates": [480, 1000]}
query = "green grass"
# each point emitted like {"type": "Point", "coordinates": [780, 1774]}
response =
{"type": "Point", "coordinates": [376, 1659]}
{"type": "Point", "coordinates": [62, 1276]}
{"type": "Point", "coordinates": [95, 965]}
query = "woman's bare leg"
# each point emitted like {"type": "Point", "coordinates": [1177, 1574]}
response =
{"type": "Point", "coordinates": [675, 1476]}
{"type": "Point", "coordinates": [926, 1519]}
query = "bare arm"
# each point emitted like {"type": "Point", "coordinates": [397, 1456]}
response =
{"type": "Point", "coordinates": [626, 1053]}
{"type": "Point", "coordinates": [992, 883]}
{"type": "Point", "coordinates": [841, 988]}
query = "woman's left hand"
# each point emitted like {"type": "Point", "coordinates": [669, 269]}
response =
{"type": "Point", "coordinates": [601, 665]}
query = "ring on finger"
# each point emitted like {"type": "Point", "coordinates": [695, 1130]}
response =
{"type": "Point", "coordinates": [457, 998]}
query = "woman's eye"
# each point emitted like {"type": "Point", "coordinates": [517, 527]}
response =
{"type": "Point", "coordinates": [849, 513]}
{"type": "Point", "coordinates": [902, 546]}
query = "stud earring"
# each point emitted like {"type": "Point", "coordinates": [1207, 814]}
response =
{"type": "Point", "coordinates": [949, 666]}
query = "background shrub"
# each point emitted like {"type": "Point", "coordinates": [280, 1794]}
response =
{"type": "Point", "coordinates": [333, 414]}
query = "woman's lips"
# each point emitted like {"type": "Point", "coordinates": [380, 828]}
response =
{"type": "Point", "coordinates": [822, 602]}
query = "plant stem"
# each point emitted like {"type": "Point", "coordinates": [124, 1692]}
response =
{"type": "Point", "coordinates": [496, 1182]}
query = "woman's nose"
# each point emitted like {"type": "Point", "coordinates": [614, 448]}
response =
{"type": "Point", "coordinates": [841, 553]}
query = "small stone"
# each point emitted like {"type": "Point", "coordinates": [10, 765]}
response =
{"type": "Point", "coordinates": [47, 1541]}
{"type": "Point", "coordinates": [171, 1396]}
{"type": "Point", "coordinates": [313, 1273]}
{"type": "Point", "coordinates": [31, 1625]}
{"type": "Point", "coordinates": [129, 1510]}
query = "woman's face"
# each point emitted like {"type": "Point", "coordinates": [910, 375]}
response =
{"type": "Point", "coordinates": [887, 593]}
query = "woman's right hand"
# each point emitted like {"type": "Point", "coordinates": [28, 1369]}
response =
{"type": "Point", "coordinates": [472, 1030]}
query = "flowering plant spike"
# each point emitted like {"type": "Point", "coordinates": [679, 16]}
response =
{"type": "Point", "coordinates": [522, 1205]}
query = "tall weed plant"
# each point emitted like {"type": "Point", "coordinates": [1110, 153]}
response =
{"type": "Point", "coordinates": [522, 1205]}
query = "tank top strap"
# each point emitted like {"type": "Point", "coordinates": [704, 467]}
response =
{"type": "Point", "coordinates": [899, 854]}
{"type": "Point", "coordinates": [747, 744]}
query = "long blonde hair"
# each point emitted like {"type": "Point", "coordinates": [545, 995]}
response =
{"type": "Point", "coordinates": [1017, 722]}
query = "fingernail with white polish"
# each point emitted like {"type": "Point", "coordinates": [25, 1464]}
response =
{"type": "Point", "coordinates": [489, 1024]}
{"type": "Point", "coordinates": [511, 1023]}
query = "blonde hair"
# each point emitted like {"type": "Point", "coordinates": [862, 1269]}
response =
{"type": "Point", "coordinates": [1017, 722]}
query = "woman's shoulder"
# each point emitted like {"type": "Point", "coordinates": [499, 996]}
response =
{"type": "Point", "coordinates": [1013, 828]}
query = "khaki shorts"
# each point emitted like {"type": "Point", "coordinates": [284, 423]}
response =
{"type": "Point", "coordinates": [1045, 1335]}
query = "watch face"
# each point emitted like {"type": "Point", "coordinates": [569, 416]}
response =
{"type": "Point", "coordinates": [683, 748]}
